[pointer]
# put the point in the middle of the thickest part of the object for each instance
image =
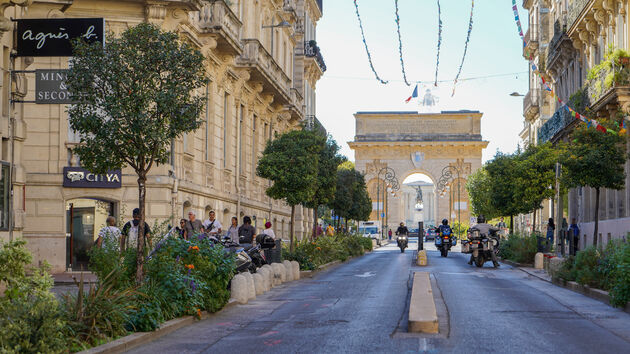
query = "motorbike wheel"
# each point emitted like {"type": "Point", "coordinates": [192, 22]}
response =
{"type": "Point", "coordinates": [445, 251]}
{"type": "Point", "coordinates": [252, 268]}
{"type": "Point", "coordinates": [479, 261]}
{"type": "Point", "coordinates": [402, 249]}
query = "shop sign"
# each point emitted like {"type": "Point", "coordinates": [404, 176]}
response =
{"type": "Point", "coordinates": [77, 177]}
{"type": "Point", "coordinates": [52, 37]}
{"type": "Point", "coordinates": [50, 87]}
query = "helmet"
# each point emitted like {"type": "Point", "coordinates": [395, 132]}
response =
{"type": "Point", "coordinates": [444, 222]}
{"type": "Point", "coordinates": [481, 219]}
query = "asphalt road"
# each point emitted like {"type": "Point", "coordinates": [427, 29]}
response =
{"type": "Point", "coordinates": [361, 306]}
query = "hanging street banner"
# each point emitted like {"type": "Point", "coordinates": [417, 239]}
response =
{"type": "Point", "coordinates": [52, 37]}
{"type": "Point", "coordinates": [50, 87]}
{"type": "Point", "coordinates": [78, 177]}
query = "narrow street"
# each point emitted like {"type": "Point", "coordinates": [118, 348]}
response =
{"type": "Point", "coordinates": [361, 306]}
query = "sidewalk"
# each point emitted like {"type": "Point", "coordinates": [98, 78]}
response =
{"type": "Point", "coordinates": [64, 282]}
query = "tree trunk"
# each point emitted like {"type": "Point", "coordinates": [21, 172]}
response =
{"type": "Point", "coordinates": [534, 223]}
{"type": "Point", "coordinates": [314, 234]}
{"type": "Point", "coordinates": [511, 224]}
{"type": "Point", "coordinates": [596, 216]}
{"type": "Point", "coordinates": [141, 201]}
{"type": "Point", "coordinates": [291, 246]}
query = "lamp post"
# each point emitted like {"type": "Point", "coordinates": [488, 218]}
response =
{"type": "Point", "coordinates": [446, 180]}
{"type": "Point", "coordinates": [388, 177]}
{"type": "Point", "coordinates": [282, 24]}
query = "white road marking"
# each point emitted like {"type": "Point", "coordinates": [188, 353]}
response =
{"type": "Point", "coordinates": [365, 275]}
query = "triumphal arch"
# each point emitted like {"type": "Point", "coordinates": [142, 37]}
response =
{"type": "Point", "coordinates": [446, 147]}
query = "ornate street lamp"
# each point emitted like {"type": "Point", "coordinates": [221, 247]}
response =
{"type": "Point", "coordinates": [389, 177]}
{"type": "Point", "coordinates": [449, 173]}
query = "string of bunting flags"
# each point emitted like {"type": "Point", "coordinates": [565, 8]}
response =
{"type": "Point", "coordinates": [470, 27]}
{"type": "Point", "coordinates": [356, 6]}
{"type": "Point", "coordinates": [402, 62]}
{"type": "Point", "coordinates": [589, 122]}
{"type": "Point", "coordinates": [439, 44]}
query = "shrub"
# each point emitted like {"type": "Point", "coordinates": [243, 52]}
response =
{"type": "Point", "coordinates": [30, 320]}
{"type": "Point", "coordinates": [519, 248]}
{"type": "Point", "coordinates": [326, 249]}
{"type": "Point", "coordinates": [100, 314]}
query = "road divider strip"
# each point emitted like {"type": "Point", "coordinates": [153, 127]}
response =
{"type": "Point", "coordinates": [422, 313]}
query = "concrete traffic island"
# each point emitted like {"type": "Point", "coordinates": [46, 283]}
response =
{"type": "Point", "coordinates": [422, 312]}
{"type": "Point", "coordinates": [422, 259]}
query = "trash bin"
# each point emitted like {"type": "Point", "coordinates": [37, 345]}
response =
{"type": "Point", "coordinates": [274, 255]}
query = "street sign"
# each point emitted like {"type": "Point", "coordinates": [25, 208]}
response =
{"type": "Point", "coordinates": [382, 215]}
{"type": "Point", "coordinates": [52, 37]}
{"type": "Point", "coordinates": [50, 87]}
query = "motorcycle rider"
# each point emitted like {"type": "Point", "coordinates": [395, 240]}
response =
{"type": "Point", "coordinates": [445, 229]}
{"type": "Point", "coordinates": [486, 229]}
{"type": "Point", "coordinates": [402, 229]}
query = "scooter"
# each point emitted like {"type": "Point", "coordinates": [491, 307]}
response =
{"type": "Point", "coordinates": [402, 242]}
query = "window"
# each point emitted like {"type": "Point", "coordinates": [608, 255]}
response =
{"type": "Point", "coordinates": [4, 195]}
{"type": "Point", "coordinates": [207, 123]}
{"type": "Point", "coordinates": [225, 127]}
{"type": "Point", "coordinates": [254, 146]}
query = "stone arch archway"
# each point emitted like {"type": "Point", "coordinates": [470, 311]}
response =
{"type": "Point", "coordinates": [410, 142]}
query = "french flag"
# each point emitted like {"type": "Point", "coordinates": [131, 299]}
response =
{"type": "Point", "coordinates": [413, 95]}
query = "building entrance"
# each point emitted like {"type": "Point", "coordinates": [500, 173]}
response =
{"type": "Point", "coordinates": [84, 218]}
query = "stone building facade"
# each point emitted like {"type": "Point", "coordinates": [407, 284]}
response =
{"type": "Point", "coordinates": [580, 34]}
{"type": "Point", "coordinates": [263, 65]}
{"type": "Point", "coordinates": [407, 143]}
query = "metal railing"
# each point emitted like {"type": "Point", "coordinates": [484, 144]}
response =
{"type": "Point", "coordinates": [312, 50]}
{"type": "Point", "coordinates": [560, 119]}
{"type": "Point", "coordinates": [531, 99]}
{"type": "Point", "coordinates": [575, 9]}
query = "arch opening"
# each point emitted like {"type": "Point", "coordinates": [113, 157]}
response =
{"type": "Point", "coordinates": [418, 200]}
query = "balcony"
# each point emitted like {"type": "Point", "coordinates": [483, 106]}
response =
{"type": "Point", "coordinates": [312, 51]}
{"type": "Point", "coordinates": [296, 108]}
{"type": "Point", "coordinates": [531, 106]}
{"type": "Point", "coordinates": [312, 123]}
{"type": "Point", "coordinates": [576, 10]}
{"type": "Point", "coordinates": [608, 89]}
{"type": "Point", "coordinates": [560, 50]}
{"type": "Point", "coordinates": [531, 40]}
{"type": "Point", "coordinates": [218, 20]}
{"type": "Point", "coordinates": [552, 129]}
{"type": "Point", "coordinates": [265, 70]}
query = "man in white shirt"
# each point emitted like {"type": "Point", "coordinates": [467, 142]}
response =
{"type": "Point", "coordinates": [212, 225]}
{"type": "Point", "coordinates": [109, 234]}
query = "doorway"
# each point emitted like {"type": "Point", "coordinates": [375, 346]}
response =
{"type": "Point", "coordinates": [84, 217]}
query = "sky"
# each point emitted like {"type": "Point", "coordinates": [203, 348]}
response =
{"type": "Point", "coordinates": [349, 86]}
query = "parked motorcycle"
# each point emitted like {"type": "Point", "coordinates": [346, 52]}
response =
{"type": "Point", "coordinates": [483, 247]}
{"type": "Point", "coordinates": [243, 261]}
{"type": "Point", "coordinates": [402, 241]}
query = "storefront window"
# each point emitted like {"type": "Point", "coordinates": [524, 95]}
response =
{"type": "Point", "coordinates": [4, 195]}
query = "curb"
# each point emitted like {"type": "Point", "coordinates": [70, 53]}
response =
{"type": "Point", "coordinates": [515, 264]}
{"type": "Point", "coordinates": [133, 340]}
{"type": "Point", "coordinates": [593, 293]}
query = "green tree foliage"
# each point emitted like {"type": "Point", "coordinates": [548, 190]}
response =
{"type": "Point", "coordinates": [291, 162]}
{"type": "Point", "coordinates": [594, 159]}
{"type": "Point", "coordinates": [536, 179]}
{"type": "Point", "coordinates": [328, 160]}
{"type": "Point", "coordinates": [134, 96]}
{"type": "Point", "coordinates": [352, 201]}
{"type": "Point", "coordinates": [479, 187]}
{"type": "Point", "coordinates": [503, 171]}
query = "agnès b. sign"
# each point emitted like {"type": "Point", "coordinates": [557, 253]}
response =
{"type": "Point", "coordinates": [52, 37]}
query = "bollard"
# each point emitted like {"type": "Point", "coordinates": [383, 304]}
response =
{"type": "Point", "coordinates": [420, 235]}
{"type": "Point", "coordinates": [422, 258]}
{"type": "Point", "coordinates": [539, 261]}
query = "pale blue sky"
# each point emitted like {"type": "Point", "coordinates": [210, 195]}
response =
{"type": "Point", "coordinates": [349, 86]}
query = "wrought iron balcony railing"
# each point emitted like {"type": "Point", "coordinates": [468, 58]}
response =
{"type": "Point", "coordinates": [560, 120]}
{"type": "Point", "coordinates": [311, 50]}
{"type": "Point", "coordinates": [575, 9]}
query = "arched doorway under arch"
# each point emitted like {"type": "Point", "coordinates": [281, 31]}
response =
{"type": "Point", "coordinates": [418, 200]}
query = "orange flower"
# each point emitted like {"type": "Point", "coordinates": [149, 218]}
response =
{"type": "Point", "coordinates": [190, 266]}
{"type": "Point", "coordinates": [195, 248]}
{"type": "Point", "coordinates": [199, 313]}
{"type": "Point", "coordinates": [319, 248]}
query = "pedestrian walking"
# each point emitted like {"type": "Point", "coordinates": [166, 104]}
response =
{"type": "Point", "coordinates": [551, 227]}
{"type": "Point", "coordinates": [110, 234]}
{"type": "Point", "coordinates": [246, 233]}
{"type": "Point", "coordinates": [194, 226]}
{"type": "Point", "coordinates": [574, 237]}
{"type": "Point", "coordinates": [211, 225]}
{"type": "Point", "coordinates": [129, 232]}
{"type": "Point", "coordinates": [232, 232]}
{"type": "Point", "coordinates": [390, 234]}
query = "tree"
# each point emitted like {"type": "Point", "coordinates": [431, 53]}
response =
{"type": "Point", "coordinates": [291, 162]}
{"type": "Point", "coordinates": [536, 178]}
{"type": "Point", "coordinates": [352, 201]}
{"type": "Point", "coordinates": [503, 171]}
{"type": "Point", "coordinates": [479, 187]}
{"type": "Point", "coordinates": [594, 159]}
{"type": "Point", "coordinates": [328, 160]}
{"type": "Point", "coordinates": [133, 97]}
